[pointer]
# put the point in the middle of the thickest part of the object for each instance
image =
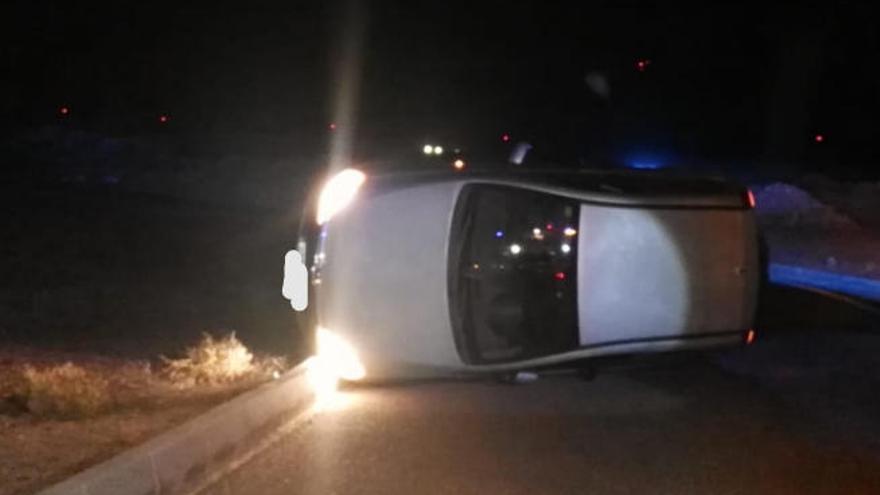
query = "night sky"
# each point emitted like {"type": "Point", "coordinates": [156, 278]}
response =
{"type": "Point", "coordinates": [725, 83]}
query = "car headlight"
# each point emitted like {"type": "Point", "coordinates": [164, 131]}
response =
{"type": "Point", "coordinates": [339, 356]}
{"type": "Point", "coordinates": [338, 193]}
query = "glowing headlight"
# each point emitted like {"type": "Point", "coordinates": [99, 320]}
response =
{"type": "Point", "coordinates": [339, 356]}
{"type": "Point", "coordinates": [338, 192]}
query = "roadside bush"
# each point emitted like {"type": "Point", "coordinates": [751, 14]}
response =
{"type": "Point", "coordinates": [65, 390]}
{"type": "Point", "coordinates": [218, 361]}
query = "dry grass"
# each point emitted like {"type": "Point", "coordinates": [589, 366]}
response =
{"type": "Point", "coordinates": [78, 389]}
{"type": "Point", "coordinates": [67, 390]}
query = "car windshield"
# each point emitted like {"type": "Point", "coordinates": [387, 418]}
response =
{"type": "Point", "coordinates": [513, 274]}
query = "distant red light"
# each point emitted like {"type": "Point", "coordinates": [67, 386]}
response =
{"type": "Point", "coordinates": [64, 110]}
{"type": "Point", "coordinates": [750, 337]}
{"type": "Point", "coordinates": [819, 138]}
{"type": "Point", "coordinates": [332, 126]}
{"type": "Point", "coordinates": [751, 197]}
{"type": "Point", "coordinates": [559, 275]}
{"type": "Point", "coordinates": [505, 137]}
{"type": "Point", "coordinates": [163, 119]}
{"type": "Point", "coordinates": [549, 226]}
{"type": "Point", "coordinates": [642, 65]}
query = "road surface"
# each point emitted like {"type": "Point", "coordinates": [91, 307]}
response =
{"type": "Point", "coordinates": [798, 412]}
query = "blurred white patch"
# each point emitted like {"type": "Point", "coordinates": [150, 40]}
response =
{"type": "Point", "coordinates": [598, 83]}
{"type": "Point", "coordinates": [518, 155]}
{"type": "Point", "coordinates": [525, 377]}
{"type": "Point", "coordinates": [296, 281]}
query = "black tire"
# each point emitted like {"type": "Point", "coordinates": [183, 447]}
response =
{"type": "Point", "coordinates": [587, 373]}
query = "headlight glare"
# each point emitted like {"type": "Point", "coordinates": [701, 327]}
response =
{"type": "Point", "coordinates": [339, 356]}
{"type": "Point", "coordinates": [338, 193]}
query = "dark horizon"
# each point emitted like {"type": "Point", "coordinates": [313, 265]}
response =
{"type": "Point", "coordinates": [719, 83]}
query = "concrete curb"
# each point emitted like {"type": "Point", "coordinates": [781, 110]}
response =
{"type": "Point", "coordinates": [807, 277]}
{"type": "Point", "coordinates": [189, 456]}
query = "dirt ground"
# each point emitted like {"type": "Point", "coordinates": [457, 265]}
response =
{"type": "Point", "coordinates": [39, 450]}
{"type": "Point", "coordinates": [832, 227]}
{"type": "Point", "coordinates": [858, 256]}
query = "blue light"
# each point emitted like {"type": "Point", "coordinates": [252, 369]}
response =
{"type": "Point", "coordinates": [646, 159]}
{"type": "Point", "coordinates": [499, 234]}
{"type": "Point", "coordinates": [645, 165]}
{"type": "Point", "coordinates": [796, 276]}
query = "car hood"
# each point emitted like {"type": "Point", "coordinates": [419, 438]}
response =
{"type": "Point", "coordinates": [383, 279]}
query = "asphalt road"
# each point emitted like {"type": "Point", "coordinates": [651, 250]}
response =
{"type": "Point", "coordinates": [798, 412]}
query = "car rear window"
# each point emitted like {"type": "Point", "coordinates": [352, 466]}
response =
{"type": "Point", "coordinates": [513, 269]}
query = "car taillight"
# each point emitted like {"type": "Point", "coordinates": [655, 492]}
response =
{"type": "Point", "coordinates": [750, 197]}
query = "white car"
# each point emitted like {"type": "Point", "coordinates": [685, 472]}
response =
{"type": "Point", "coordinates": [419, 275]}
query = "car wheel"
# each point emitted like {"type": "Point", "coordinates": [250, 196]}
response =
{"type": "Point", "coordinates": [517, 378]}
{"type": "Point", "coordinates": [587, 373]}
